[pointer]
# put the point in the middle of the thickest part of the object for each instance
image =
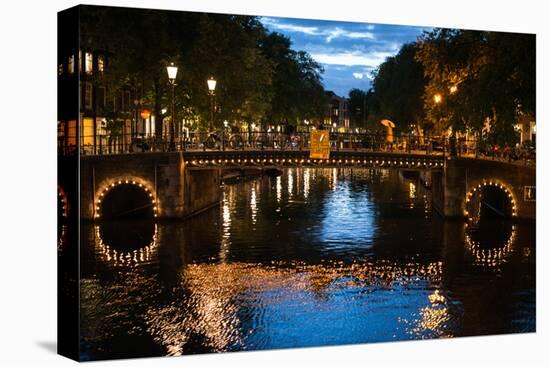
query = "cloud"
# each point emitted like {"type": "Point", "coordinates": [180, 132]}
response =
{"type": "Point", "coordinates": [367, 74]}
{"type": "Point", "coordinates": [329, 33]}
{"type": "Point", "coordinates": [348, 51]}
{"type": "Point", "coordinates": [290, 27]}
{"type": "Point", "coordinates": [274, 23]}
{"type": "Point", "coordinates": [339, 32]}
{"type": "Point", "coordinates": [335, 33]}
{"type": "Point", "coordinates": [368, 35]}
{"type": "Point", "coordinates": [350, 58]}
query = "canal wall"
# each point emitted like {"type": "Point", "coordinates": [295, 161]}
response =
{"type": "Point", "coordinates": [178, 191]}
{"type": "Point", "coordinates": [201, 191]}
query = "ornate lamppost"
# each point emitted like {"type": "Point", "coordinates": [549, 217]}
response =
{"type": "Point", "coordinates": [172, 72]}
{"type": "Point", "coordinates": [211, 91]}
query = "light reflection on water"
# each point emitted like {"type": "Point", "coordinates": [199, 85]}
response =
{"type": "Point", "coordinates": [313, 257]}
{"type": "Point", "coordinates": [247, 306]}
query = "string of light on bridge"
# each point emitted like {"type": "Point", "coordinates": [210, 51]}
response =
{"type": "Point", "coordinates": [378, 162]}
{"type": "Point", "coordinates": [112, 185]}
{"type": "Point", "coordinates": [495, 184]}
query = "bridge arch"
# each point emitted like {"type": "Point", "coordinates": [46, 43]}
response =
{"type": "Point", "coordinates": [493, 194]}
{"type": "Point", "coordinates": [140, 189]}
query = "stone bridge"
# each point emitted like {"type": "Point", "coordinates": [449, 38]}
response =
{"type": "Point", "coordinates": [464, 179]}
{"type": "Point", "coordinates": [180, 184]}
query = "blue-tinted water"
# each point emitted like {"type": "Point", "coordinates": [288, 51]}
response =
{"type": "Point", "coordinates": [312, 257]}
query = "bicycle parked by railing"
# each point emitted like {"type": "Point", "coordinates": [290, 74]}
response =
{"type": "Point", "coordinates": [261, 141]}
{"type": "Point", "coordinates": [286, 141]}
{"type": "Point", "coordinates": [221, 139]}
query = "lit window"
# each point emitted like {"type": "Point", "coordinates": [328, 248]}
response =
{"type": "Point", "coordinates": [88, 65]}
{"type": "Point", "coordinates": [87, 131]}
{"type": "Point", "coordinates": [88, 95]}
{"type": "Point", "coordinates": [70, 65]}
{"type": "Point", "coordinates": [80, 61]}
{"type": "Point", "coordinates": [71, 133]}
{"type": "Point", "coordinates": [60, 128]}
{"type": "Point", "coordinates": [100, 63]}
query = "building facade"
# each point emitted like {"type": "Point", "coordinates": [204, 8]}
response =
{"type": "Point", "coordinates": [336, 115]}
{"type": "Point", "coordinates": [108, 118]}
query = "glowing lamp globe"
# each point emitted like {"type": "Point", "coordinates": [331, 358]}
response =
{"type": "Point", "coordinates": [211, 84]}
{"type": "Point", "coordinates": [172, 71]}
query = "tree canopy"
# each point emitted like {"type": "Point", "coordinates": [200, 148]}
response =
{"type": "Point", "coordinates": [479, 77]}
{"type": "Point", "coordinates": [398, 87]}
{"type": "Point", "coordinates": [260, 78]}
{"type": "Point", "coordinates": [358, 100]}
{"type": "Point", "coordinates": [458, 79]}
{"type": "Point", "coordinates": [449, 78]}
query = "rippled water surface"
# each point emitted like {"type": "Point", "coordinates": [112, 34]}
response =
{"type": "Point", "coordinates": [312, 257]}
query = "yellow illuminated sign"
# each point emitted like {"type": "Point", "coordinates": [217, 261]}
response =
{"type": "Point", "coordinates": [319, 145]}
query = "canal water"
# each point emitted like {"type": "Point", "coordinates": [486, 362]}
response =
{"type": "Point", "coordinates": [309, 258]}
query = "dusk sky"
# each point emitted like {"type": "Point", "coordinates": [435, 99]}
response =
{"type": "Point", "coordinates": [348, 51]}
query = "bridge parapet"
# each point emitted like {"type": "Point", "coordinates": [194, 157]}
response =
{"type": "Point", "coordinates": [351, 158]}
{"type": "Point", "coordinates": [461, 177]}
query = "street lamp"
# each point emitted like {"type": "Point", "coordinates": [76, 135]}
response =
{"type": "Point", "coordinates": [225, 123]}
{"type": "Point", "coordinates": [211, 91]}
{"type": "Point", "coordinates": [438, 98]}
{"type": "Point", "coordinates": [172, 72]}
{"type": "Point", "coordinates": [145, 114]}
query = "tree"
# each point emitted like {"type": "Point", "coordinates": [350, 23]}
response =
{"type": "Point", "coordinates": [357, 106]}
{"type": "Point", "coordinates": [398, 87]}
{"type": "Point", "coordinates": [226, 49]}
{"type": "Point", "coordinates": [141, 41]}
{"type": "Point", "coordinates": [260, 77]}
{"type": "Point", "coordinates": [478, 76]}
{"type": "Point", "coordinates": [298, 93]}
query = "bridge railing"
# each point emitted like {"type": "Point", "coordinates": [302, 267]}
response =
{"type": "Point", "coordinates": [221, 140]}
{"type": "Point", "coordinates": [225, 140]}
